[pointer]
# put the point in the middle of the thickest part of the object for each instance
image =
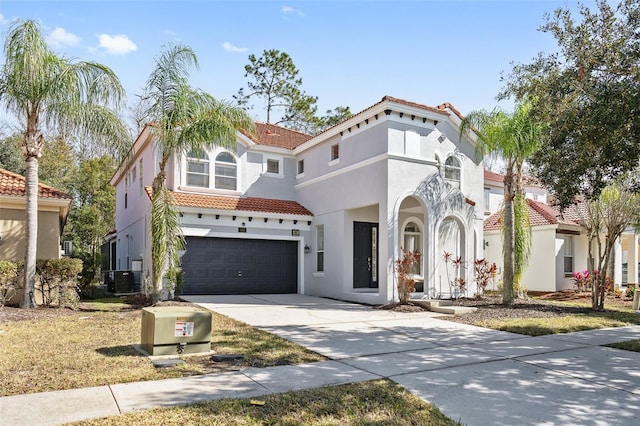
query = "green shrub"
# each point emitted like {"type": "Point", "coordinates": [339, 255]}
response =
{"type": "Point", "coordinates": [8, 280]}
{"type": "Point", "coordinates": [59, 281]}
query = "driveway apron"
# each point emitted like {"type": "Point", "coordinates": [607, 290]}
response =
{"type": "Point", "coordinates": [474, 375]}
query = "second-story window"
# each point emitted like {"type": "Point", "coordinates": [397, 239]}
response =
{"type": "Point", "coordinates": [452, 171]}
{"type": "Point", "coordinates": [335, 152]}
{"type": "Point", "coordinates": [226, 172]}
{"type": "Point", "coordinates": [273, 166]}
{"type": "Point", "coordinates": [300, 167]}
{"type": "Point", "coordinates": [198, 169]}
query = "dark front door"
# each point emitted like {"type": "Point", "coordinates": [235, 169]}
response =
{"type": "Point", "coordinates": [365, 255]}
{"type": "Point", "coordinates": [239, 266]}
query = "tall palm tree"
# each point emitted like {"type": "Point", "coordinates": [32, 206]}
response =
{"type": "Point", "coordinates": [185, 119]}
{"type": "Point", "coordinates": [514, 137]}
{"type": "Point", "coordinates": [47, 92]}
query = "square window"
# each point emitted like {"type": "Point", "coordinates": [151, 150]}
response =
{"type": "Point", "coordinates": [273, 166]}
{"type": "Point", "coordinates": [335, 152]}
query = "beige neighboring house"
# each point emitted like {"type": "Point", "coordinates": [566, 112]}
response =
{"type": "Point", "coordinates": [559, 245]}
{"type": "Point", "coordinates": [53, 208]}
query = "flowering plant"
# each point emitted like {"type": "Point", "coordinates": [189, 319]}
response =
{"type": "Point", "coordinates": [582, 280]}
{"type": "Point", "coordinates": [404, 266]}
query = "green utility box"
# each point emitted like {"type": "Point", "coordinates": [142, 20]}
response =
{"type": "Point", "coordinates": [174, 330]}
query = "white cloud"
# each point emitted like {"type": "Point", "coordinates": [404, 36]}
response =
{"type": "Point", "coordinates": [60, 37]}
{"type": "Point", "coordinates": [290, 10]}
{"type": "Point", "coordinates": [231, 48]}
{"type": "Point", "coordinates": [117, 44]}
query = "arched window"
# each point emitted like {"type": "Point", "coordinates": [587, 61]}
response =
{"type": "Point", "coordinates": [198, 169]}
{"type": "Point", "coordinates": [412, 239]}
{"type": "Point", "coordinates": [226, 172]}
{"type": "Point", "coordinates": [452, 171]}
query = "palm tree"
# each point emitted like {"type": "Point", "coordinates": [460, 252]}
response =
{"type": "Point", "coordinates": [514, 137]}
{"type": "Point", "coordinates": [46, 92]}
{"type": "Point", "coordinates": [185, 119]}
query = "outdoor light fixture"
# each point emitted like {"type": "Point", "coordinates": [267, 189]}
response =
{"type": "Point", "coordinates": [199, 215]}
{"type": "Point", "coordinates": [307, 249]}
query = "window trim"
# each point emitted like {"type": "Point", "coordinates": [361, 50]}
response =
{"type": "Point", "coordinates": [216, 162]}
{"type": "Point", "coordinates": [265, 161]}
{"type": "Point", "coordinates": [455, 182]}
{"type": "Point", "coordinates": [566, 256]}
{"type": "Point", "coordinates": [320, 249]}
{"type": "Point", "coordinates": [299, 169]}
{"type": "Point", "coordinates": [334, 154]}
{"type": "Point", "coordinates": [205, 160]}
{"type": "Point", "coordinates": [420, 225]}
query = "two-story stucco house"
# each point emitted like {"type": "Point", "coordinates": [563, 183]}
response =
{"type": "Point", "coordinates": [325, 215]}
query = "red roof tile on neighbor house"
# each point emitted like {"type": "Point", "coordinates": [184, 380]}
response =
{"type": "Point", "coordinates": [249, 204]}
{"type": "Point", "coordinates": [14, 184]}
{"type": "Point", "coordinates": [493, 177]}
{"type": "Point", "coordinates": [278, 136]}
{"type": "Point", "coordinates": [540, 214]}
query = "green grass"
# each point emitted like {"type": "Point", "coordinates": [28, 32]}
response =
{"type": "Point", "coordinates": [612, 317]}
{"type": "Point", "coordinates": [82, 349]}
{"type": "Point", "coordinates": [631, 345]}
{"type": "Point", "coordinates": [379, 402]}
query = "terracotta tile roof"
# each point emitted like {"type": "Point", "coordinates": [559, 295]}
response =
{"type": "Point", "coordinates": [14, 184]}
{"type": "Point", "coordinates": [499, 178]}
{"type": "Point", "coordinates": [398, 101]}
{"type": "Point", "coordinates": [493, 177]}
{"type": "Point", "coordinates": [414, 105]}
{"type": "Point", "coordinates": [248, 204]}
{"type": "Point", "coordinates": [278, 136]}
{"type": "Point", "coordinates": [451, 108]}
{"type": "Point", "coordinates": [540, 214]}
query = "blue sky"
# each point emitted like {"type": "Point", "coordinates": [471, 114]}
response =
{"type": "Point", "coordinates": [349, 53]}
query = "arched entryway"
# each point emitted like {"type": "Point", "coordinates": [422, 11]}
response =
{"type": "Point", "coordinates": [451, 253]}
{"type": "Point", "coordinates": [413, 237]}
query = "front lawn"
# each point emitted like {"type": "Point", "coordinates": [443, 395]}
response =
{"type": "Point", "coordinates": [54, 349]}
{"type": "Point", "coordinates": [379, 402]}
{"type": "Point", "coordinates": [546, 315]}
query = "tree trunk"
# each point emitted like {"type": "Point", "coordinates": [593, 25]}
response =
{"type": "Point", "coordinates": [508, 234]}
{"type": "Point", "coordinates": [31, 184]}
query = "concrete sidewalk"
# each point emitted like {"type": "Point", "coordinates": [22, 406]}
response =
{"type": "Point", "coordinates": [474, 375]}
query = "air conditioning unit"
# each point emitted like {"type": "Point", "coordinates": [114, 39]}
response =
{"type": "Point", "coordinates": [67, 248]}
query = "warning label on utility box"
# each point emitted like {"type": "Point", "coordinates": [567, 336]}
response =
{"type": "Point", "coordinates": [184, 329]}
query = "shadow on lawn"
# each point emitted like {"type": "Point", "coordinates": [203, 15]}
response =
{"type": "Point", "coordinates": [120, 350]}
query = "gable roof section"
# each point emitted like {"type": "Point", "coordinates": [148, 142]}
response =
{"type": "Point", "coordinates": [540, 214]}
{"type": "Point", "coordinates": [13, 184]}
{"type": "Point", "coordinates": [248, 204]}
{"type": "Point", "coordinates": [278, 136]}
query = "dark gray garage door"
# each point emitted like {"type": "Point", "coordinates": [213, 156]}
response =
{"type": "Point", "coordinates": [238, 266]}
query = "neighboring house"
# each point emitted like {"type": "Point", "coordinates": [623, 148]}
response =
{"type": "Point", "coordinates": [494, 191]}
{"type": "Point", "coordinates": [53, 208]}
{"type": "Point", "coordinates": [325, 215]}
{"type": "Point", "coordinates": [559, 245]}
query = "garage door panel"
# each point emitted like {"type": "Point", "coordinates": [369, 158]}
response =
{"type": "Point", "coordinates": [212, 266]}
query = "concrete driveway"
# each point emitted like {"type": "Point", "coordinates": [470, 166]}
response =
{"type": "Point", "coordinates": [474, 375]}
